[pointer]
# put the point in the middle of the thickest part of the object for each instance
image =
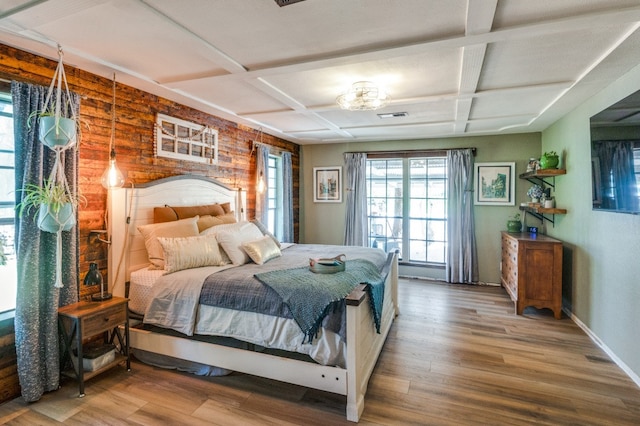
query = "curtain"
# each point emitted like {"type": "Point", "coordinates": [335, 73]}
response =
{"type": "Point", "coordinates": [37, 300]}
{"type": "Point", "coordinates": [462, 263]}
{"type": "Point", "coordinates": [262, 172]}
{"type": "Point", "coordinates": [287, 198]}
{"type": "Point", "coordinates": [617, 175]}
{"type": "Point", "coordinates": [355, 233]}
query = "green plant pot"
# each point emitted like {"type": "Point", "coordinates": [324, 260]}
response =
{"type": "Point", "coordinates": [61, 137]}
{"type": "Point", "coordinates": [514, 226]}
{"type": "Point", "coordinates": [51, 221]}
{"type": "Point", "coordinates": [550, 162]}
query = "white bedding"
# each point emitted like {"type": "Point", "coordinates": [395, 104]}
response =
{"type": "Point", "coordinates": [181, 291]}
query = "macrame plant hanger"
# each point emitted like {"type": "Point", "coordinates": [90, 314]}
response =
{"type": "Point", "coordinates": [56, 217]}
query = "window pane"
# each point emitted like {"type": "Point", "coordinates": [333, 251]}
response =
{"type": "Point", "coordinates": [426, 212]}
{"type": "Point", "coordinates": [436, 252]}
{"type": "Point", "coordinates": [8, 272]}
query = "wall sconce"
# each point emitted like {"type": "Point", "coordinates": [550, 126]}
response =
{"type": "Point", "coordinates": [113, 177]}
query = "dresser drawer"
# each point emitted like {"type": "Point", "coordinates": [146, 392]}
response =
{"type": "Point", "coordinates": [104, 320]}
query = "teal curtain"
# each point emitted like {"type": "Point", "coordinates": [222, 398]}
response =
{"type": "Point", "coordinates": [617, 175]}
{"type": "Point", "coordinates": [37, 301]}
{"type": "Point", "coordinates": [462, 256]}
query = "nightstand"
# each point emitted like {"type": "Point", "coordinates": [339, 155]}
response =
{"type": "Point", "coordinates": [82, 320]}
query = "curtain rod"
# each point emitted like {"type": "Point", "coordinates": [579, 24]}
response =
{"type": "Point", "coordinates": [275, 148]}
{"type": "Point", "coordinates": [405, 151]}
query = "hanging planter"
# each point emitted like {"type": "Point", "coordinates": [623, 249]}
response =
{"type": "Point", "coordinates": [57, 132]}
{"type": "Point", "coordinates": [58, 121]}
{"type": "Point", "coordinates": [53, 218]}
{"type": "Point", "coordinates": [57, 207]}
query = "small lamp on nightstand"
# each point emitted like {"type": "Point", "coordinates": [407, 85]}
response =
{"type": "Point", "coordinates": [94, 277]}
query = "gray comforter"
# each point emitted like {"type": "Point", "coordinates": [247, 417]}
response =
{"type": "Point", "coordinates": [177, 295]}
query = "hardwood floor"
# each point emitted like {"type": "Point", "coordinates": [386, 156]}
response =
{"type": "Point", "coordinates": [456, 355]}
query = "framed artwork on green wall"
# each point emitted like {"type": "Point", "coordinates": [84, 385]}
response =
{"type": "Point", "coordinates": [495, 184]}
{"type": "Point", "coordinates": [327, 184]}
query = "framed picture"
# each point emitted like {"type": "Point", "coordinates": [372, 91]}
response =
{"type": "Point", "coordinates": [495, 184]}
{"type": "Point", "coordinates": [327, 184]}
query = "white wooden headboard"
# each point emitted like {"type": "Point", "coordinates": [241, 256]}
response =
{"type": "Point", "coordinates": [132, 207]}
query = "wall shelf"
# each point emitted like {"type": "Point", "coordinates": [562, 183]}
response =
{"type": "Point", "coordinates": [539, 176]}
{"type": "Point", "coordinates": [543, 177]}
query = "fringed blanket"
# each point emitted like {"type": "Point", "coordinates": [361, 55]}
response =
{"type": "Point", "coordinates": [310, 296]}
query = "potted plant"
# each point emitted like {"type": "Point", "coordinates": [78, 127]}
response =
{"type": "Point", "coordinates": [514, 224]}
{"type": "Point", "coordinates": [535, 192]}
{"type": "Point", "coordinates": [549, 160]}
{"type": "Point", "coordinates": [56, 206]}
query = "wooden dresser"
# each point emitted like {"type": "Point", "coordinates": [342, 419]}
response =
{"type": "Point", "coordinates": [532, 271]}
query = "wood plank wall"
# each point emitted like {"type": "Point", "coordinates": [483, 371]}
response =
{"type": "Point", "coordinates": [134, 141]}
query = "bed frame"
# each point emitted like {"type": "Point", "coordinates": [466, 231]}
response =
{"type": "Point", "coordinates": [132, 207]}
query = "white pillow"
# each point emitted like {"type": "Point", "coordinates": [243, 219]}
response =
{"type": "Point", "coordinates": [151, 232]}
{"type": "Point", "coordinates": [231, 242]}
{"type": "Point", "coordinates": [216, 229]}
{"type": "Point", "coordinates": [262, 250]}
{"type": "Point", "coordinates": [190, 252]}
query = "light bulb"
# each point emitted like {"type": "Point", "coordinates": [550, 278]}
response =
{"type": "Point", "coordinates": [261, 184]}
{"type": "Point", "coordinates": [112, 177]}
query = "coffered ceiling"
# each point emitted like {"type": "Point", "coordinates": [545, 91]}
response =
{"type": "Point", "coordinates": [455, 67]}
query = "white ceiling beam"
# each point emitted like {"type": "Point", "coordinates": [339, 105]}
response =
{"type": "Point", "coordinates": [219, 57]}
{"type": "Point", "coordinates": [590, 20]}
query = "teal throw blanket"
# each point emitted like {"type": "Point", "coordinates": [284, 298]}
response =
{"type": "Point", "coordinates": [310, 296]}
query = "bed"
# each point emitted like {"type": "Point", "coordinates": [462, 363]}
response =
{"type": "Point", "coordinates": [133, 208]}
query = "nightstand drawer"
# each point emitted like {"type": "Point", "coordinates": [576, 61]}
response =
{"type": "Point", "coordinates": [104, 320]}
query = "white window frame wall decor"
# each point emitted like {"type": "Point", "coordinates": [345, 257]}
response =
{"type": "Point", "coordinates": [184, 140]}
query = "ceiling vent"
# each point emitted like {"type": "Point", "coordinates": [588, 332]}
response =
{"type": "Point", "coordinates": [286, 2]}
{"type": "Point", "coordinates": [393, 114]}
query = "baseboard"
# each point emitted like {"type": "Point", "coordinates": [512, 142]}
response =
{"type": "Point", "coordinates": [632, 375]}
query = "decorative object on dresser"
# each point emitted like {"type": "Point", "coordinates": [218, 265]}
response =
{"type": "Point", "coordinates": [532, 271]}
{"type": "Point", "coordinates": [514, 224]}
{"type": "Point", "coordinates": [80, 321]}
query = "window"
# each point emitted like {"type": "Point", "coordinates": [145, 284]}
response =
{"type": "Point", "coordinates": [407, 207]}
{"type": "Point", "coordinates": [8, 271]}
{"type": "Point", "coordinates": [274, 196]}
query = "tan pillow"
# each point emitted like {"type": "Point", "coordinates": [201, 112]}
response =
{"type": "Point", "coordinates": [190, 252]}
{"type": "Point", "coordinates": [190, 211]}
{"type": "Point", "coordinates": [227, 217]}
{"type": "Point", "coordinates": [207, 221]}
{"type": "Point", "coordinates": [151, 232]}
{"type": "Point", "coordinates": [262, 250]}
{"type": "Point", "coordinates": [231, 242]}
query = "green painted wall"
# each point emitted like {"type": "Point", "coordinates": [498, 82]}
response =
{"type": "Point", "coordinates": [601, 285]}
{"type": "Point", "coordinates": [323, 223]}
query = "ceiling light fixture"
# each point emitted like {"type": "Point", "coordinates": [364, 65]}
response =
{"type": "Point", "coordinates": [363, 96]}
